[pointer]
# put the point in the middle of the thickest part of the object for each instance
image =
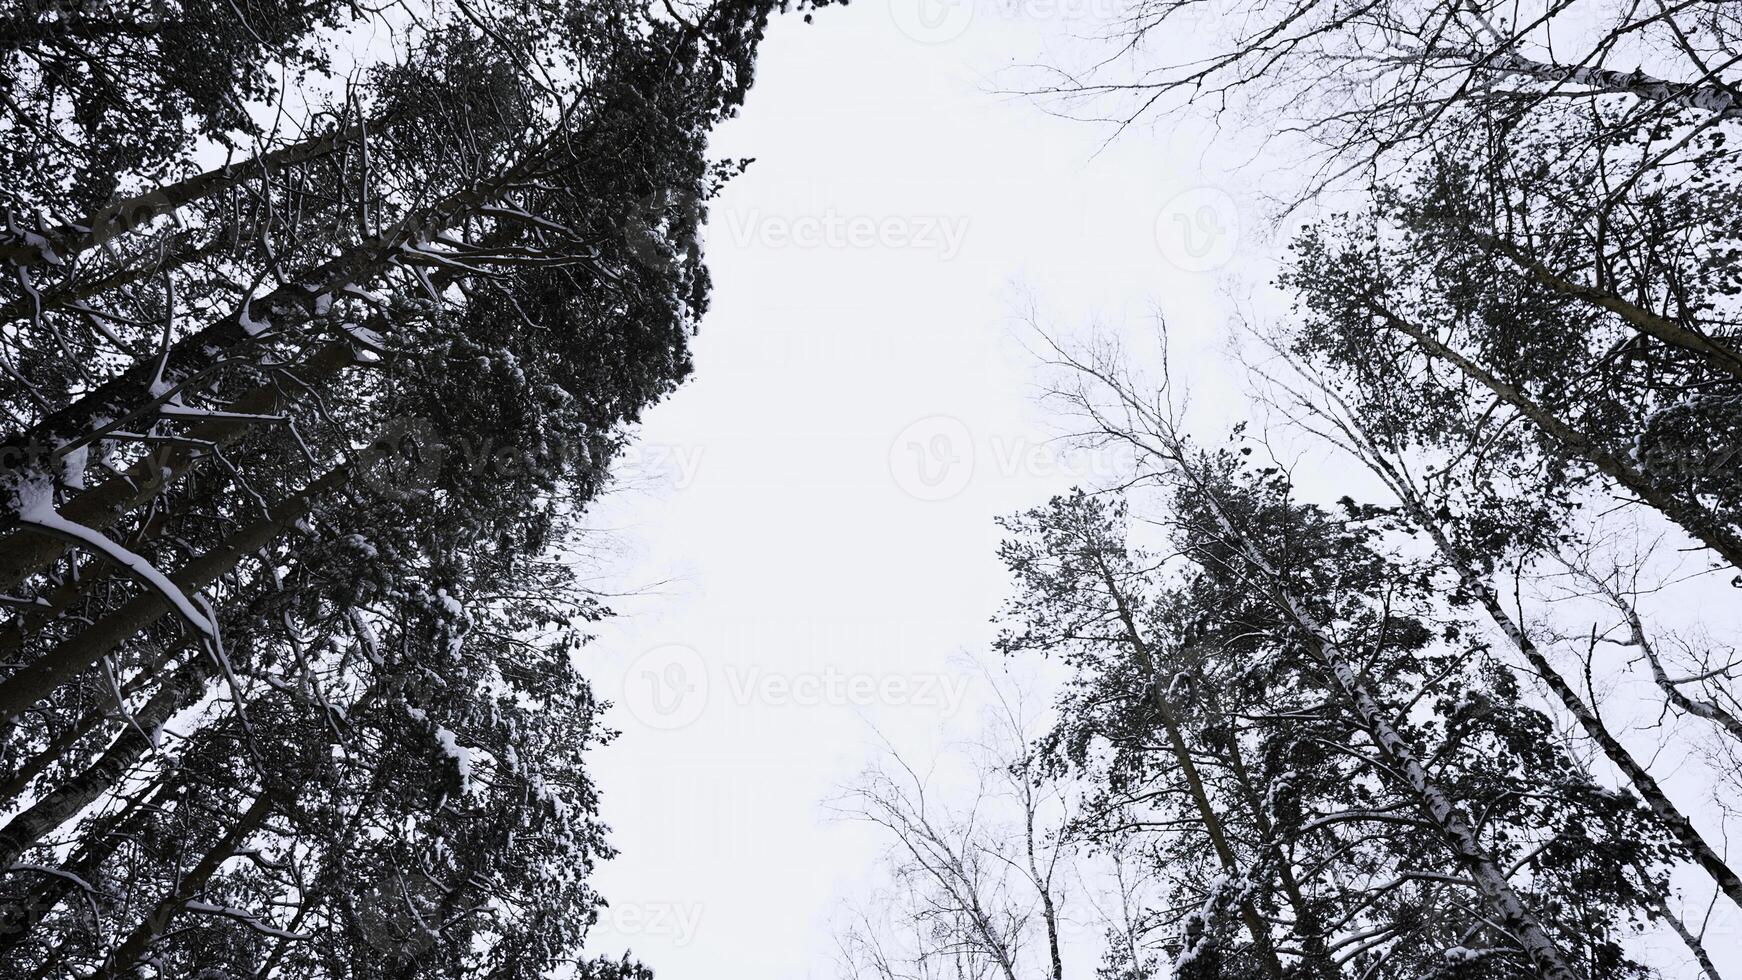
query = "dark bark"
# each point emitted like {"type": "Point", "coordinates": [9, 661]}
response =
{"type": "Point", "coordinates": [71, 797]}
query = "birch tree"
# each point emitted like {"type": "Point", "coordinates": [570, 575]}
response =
{"type": "Point", "coordinates": [1444, 793]}
{"type": "Point", "coordinates": [1544, 203]}
{"type": "Point", "coordinates": [977, 887]}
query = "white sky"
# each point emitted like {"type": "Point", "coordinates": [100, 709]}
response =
{"type": "Point", "coordinates": [823, 492]}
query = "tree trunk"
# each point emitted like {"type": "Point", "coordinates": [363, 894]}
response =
{"type": "Point", "coordinates": [42, 676]}
{"type": "Point", "coordinates": [1307, 924]}
{"type": "Point", "coordinates": [1655, 798]}
{"type": "Point", "coordinates": [1712, 97]}
{"type": "Point", "coordinates": [24, 552]}
{"type": "Point", "coordinates": [130, 396]}
{"type": "Point", "coordinates": [1181, 751]}
{"type": "Point", "coordinates": [95, 846]}
{"type": "Point", "coordinates": [128, 213]}
{"type": "Point", "coordinates": [1492, 884]}
{"type": "Point", "coordinates": [1688, 516]}
{"type": "Point", "coordinates": [70, 798]}
{"type": "Point", "coordinates": [1662, 328]}
{"type": "Point", "coordinates": [121, 961]}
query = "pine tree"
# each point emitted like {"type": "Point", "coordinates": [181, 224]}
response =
{"type": "Point", "coordinates": [296, 449]}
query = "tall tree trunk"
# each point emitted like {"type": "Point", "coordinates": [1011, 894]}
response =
{"type": "Point", "coordinates": [90, 721]}
{"type": "Point", "coordinates": [1492, 883]}
{"type": "Point", "coordinates": [42, 676]}
{"type": "Point", "coordinates": [1709, 96]}
{"type": "Point", "coordinates": [144, 388]}
{"type": "Point", "coordinates": [1307, 926]}
{"type": "Point", "coordinates": [24, 552]}
{"type": "Point", "coordinates": [1689, 516]}
{"type": "Point", "coordinates": [1662, 328]}
{"type": "Point", "coordinates": [69, 241]}
{"type": "Point", "coordinates": [95, 847]}
{"type": "Point", "coordinates": [1665, 809]}
{"type": "Point", "coordinates": [1182, 755]}
{"type": "Point", "coordinates": [133, 949]}
{"type": "Point", "coordinates": [20, 778]}
{"type": "Point", "coordinates": [68, 799]}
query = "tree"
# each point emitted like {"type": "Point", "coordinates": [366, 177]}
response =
{"type": "Point", "coordinates": [1609, 405]}
{"type": "Point", "coordinates": [98, 92]}
{"type": "Point", "coordinates": [295, 448]}
{"type": "Point", "coordinates": [1464, 547]}
{"type": "Point", "coordinates": [1551, 217]}
{"type": "Point", "coordinates": [1429, 785]}
{"type": "Point", "coordinates": [978, 888]}
{"type": "Point", "coordinates": [1375, 86]}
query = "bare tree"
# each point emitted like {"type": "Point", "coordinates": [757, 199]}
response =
{"type": "Point", "coordinates": [980, 879]}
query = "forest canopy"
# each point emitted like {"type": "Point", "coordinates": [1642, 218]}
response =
{"type": "Point", "coordinates": [289, 682]}
{"type": "Point", "coordinates": [324, 325]}
{"type": "Point", "coordinates": [1359, 718]}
